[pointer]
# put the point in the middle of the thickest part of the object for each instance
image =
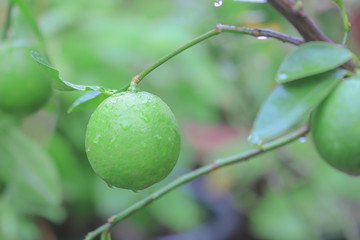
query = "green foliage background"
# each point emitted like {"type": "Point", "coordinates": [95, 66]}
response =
{"type": "Point", "coordinates": [214, 89]}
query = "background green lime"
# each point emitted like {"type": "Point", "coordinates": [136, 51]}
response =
{"type": "Point", "coordinates": [132, 140]}
{"type": "Point", "coordinates": [24, 85]}
{"type": "Point", "coordinates": [335, 127]}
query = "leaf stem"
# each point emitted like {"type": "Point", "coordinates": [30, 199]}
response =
{"type": "Point", "coordinates": [347, 25]}
{"type": "Point", "coordinates": [220, 28]}
{"type": "Point", "coordinates": [217, 164]}
{"type": "Point", "coordinates": [7, 21]}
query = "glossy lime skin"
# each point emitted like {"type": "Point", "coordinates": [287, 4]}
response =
{"type": "Point", "coordinates": [24, 85]}
{"type": "Point", "coordinates": [335, 127]}
{"type": "Point", "coordinates": [132, 140]}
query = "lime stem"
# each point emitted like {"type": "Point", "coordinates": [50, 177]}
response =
{"type": "Point", "coordinates": [217, 164]}
{"type": "Point", "coordinates": [220, 28]}
{"type": "Point", "coordinates": [133, 87]}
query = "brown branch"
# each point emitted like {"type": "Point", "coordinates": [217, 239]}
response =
{"type": "Point", "coordinates": [260, 32]}
{"type": "Point", "coordinates": [296, 15]}
{"type": "Point", "coordinates": [307, 28]}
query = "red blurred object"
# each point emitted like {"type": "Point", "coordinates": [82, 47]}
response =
{"type": "Point", "coordinates": [207, 138]}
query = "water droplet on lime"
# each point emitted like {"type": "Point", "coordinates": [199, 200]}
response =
{"type": "Point", "coordinates": [144, 118]}
{"type": "Point", "coordinates": [96, 140]}
{"type": "Point", "coordinates": [125, 126]}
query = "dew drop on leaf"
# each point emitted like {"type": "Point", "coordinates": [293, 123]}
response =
{"type": "Point", "coordinates": [111, 186]}
{"type": "Point", "coordinates": [302, 139]}
{"type": "Point", "coordinates": [256, 140]}
{"type": "Point", "coordinates": [282, 76]}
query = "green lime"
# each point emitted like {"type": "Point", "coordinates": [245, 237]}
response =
{"type": "Point", "coordinates": [132, 140]}
{"type": "Point", "coordinates": [335, 127]}
{"type": "Point", "coordinates": [24, 85]}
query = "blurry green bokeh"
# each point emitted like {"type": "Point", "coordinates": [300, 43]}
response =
{"type": "Point", "coordinates": [214, 89]}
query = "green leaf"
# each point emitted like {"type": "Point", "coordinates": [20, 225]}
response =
{"type": "Point", "coordinates": [31, 173]}
{"type": "Point", "coordinates": [14, 224]}
{"type": "Point", "coordinates": [92, 99]}
{"type": "Point", "coordinates": [290, 103]}
{"type": "Point", "coordinates": [59, 83]}
{"type": "Point", "coordinates": [310, 59]}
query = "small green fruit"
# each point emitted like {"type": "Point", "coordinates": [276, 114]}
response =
{"type": "Point", "coordinates": [24, 85]}
{"type": "Point", "coordinates": [132, 140]}
{"type": "Point", "coordinates": [335, 127]}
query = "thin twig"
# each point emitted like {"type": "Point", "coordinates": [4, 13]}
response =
{"type": "Point", "coordinates": [219, 163]}
{"type": "Point", "coordinates": [307, 28]}
{"type": "Point", "coordinates": [220, 28]}
{"type": "Point", "coordinates": [261, 32]}
{"type": "Point", "coordinates": [7, 21]}
{"type": "Point", "coordinates": [296, 15]}
{"type": "Point", "coordinates": [347, 25]}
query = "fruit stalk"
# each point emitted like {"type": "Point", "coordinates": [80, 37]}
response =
{"type": "Point", "coordinates": [217, 164]}
{"type": "Point", "coordinates": [220, 28]}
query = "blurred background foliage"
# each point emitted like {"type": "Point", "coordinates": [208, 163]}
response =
{"type": "Point", "coordinates": [47, 188]}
